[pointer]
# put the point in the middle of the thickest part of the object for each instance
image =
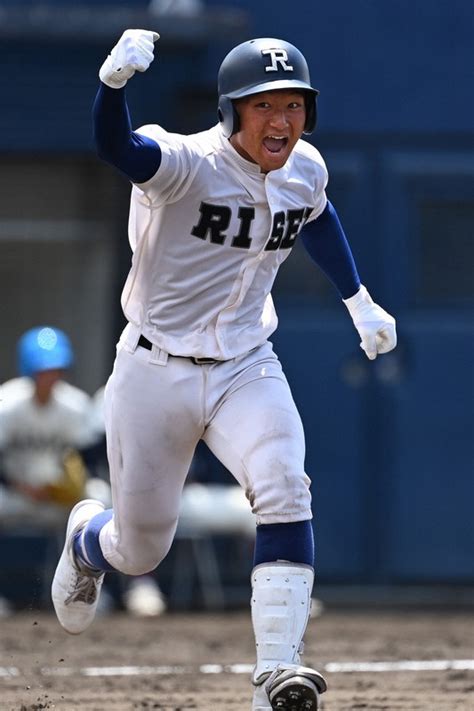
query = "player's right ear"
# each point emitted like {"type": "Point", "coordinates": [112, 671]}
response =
{"type": "Point", "coordinates": [228, 116]}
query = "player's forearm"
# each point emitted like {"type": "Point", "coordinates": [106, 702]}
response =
{"type": "Point", "coordinates": [137, 156]}
{"type": "Point", "coordinates": [326, 243]}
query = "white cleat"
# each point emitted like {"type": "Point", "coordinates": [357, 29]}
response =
{"type": "Point", "coordinates": [75, 592]}
{"type": "Point", "coordinates": [291, 687]}
{"type": "Point", "coordinates": [260, 699]}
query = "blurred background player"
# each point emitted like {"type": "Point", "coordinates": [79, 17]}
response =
{"type": "Point", "coordinates": [45, 423]}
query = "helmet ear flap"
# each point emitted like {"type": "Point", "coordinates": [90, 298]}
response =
{"type": "Point", "coordinates": [228, 116]}
{"type": "Point", "coordinates": [311, 113]}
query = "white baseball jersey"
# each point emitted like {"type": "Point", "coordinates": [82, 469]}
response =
{"type": "Point", "coordinates": [208, 233]}
{"type": "Point", "coordinates": [35, 438]}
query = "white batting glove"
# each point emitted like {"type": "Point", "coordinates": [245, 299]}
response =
{"type": "Point", "coordinates": [375, 326]}
{"type": "Point", "coordinates": [132, 53]}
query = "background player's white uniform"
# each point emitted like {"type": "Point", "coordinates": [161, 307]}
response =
{"type": "Point", "coordinates": [34, 439]}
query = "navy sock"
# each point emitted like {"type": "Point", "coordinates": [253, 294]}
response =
{"type": "Point", "coordinates": [86, 542]}
{"type": "Point", "coordinates": [293, 542]}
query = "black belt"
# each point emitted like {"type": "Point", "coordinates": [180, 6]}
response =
{"type": "Point", "coordinates": [145, 343]}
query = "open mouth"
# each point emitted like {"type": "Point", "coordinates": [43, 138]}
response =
{"type": "Point", "coordinates": [275, 144]}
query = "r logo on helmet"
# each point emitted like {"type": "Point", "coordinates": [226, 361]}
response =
{"type": "Point", "coordinates": [278, 57]}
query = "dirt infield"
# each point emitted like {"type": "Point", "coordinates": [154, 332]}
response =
{"type": "Point", "coordinates": [121, 664]}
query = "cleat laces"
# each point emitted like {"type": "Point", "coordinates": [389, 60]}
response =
{"type": "Point", "coordinates": [84, 590]}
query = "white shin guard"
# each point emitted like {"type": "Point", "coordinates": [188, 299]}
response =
{"type": "Point", "coordinates": [281, 603]}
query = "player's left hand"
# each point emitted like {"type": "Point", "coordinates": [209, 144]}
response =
{"type": "Point", "coordinates": [375, 326]}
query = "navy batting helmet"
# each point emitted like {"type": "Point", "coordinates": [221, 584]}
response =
{"type": "Point", "coordinates": [264, 64]}
{"type": "Point", "coordinates": [43, 348]}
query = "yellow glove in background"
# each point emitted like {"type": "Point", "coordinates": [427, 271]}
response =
{"type": "Point", "coordinates": [69, 489]}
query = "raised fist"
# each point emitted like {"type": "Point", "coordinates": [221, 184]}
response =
{"type": "Point", "coordinates": [132, 53]}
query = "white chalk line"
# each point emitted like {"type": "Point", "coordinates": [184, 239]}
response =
{"type": "Point", "coordinates": [403, 665]}
{"type": "Point", "coordinates": [166, 670]}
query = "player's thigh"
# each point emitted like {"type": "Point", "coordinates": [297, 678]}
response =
{"type": "Point", "coordinates": [257, 434]}
{"type": "Point", "coordinates": [153, 424]}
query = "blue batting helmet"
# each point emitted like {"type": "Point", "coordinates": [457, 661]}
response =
{"type": "Point", "coordinates": [263, 64]}
{"type": "Point", "coordinates": [43, 348]}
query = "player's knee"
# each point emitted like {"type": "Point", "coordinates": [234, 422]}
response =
{"type": "Point", "coordinates": [282, 495]}
{"type": "Point", "coordinates": [142, 552]}
{"type": "Point", "coordinates": [145, 560]}
{"type": "Point", "coordinates": [276, 468]}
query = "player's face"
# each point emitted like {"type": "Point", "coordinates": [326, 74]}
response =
{"type": "Point", "coordinates": [45, 380]}
{"type": "Point", "coordinates": [270, 125]}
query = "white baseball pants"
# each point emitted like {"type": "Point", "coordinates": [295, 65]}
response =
{"type": "Point", "coordinates": [157, 408]}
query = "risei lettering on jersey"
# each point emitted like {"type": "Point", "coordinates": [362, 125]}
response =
{"type": "Point", "coordinates": [214, 222]}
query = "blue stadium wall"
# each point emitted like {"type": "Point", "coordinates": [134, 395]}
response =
{"type": "Point", "coordinates": [390, 443]}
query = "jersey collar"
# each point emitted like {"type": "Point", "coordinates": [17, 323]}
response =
{"type": "Point", "coordinates": [245, 164]}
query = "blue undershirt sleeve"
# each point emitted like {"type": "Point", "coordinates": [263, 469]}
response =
{"type": "Point", "coordinates": [326, 244]}
{"type": "Point", "coordinates": [137, 156]}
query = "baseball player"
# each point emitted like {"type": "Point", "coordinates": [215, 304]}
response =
{"type": "Point", "coordinates": [44, 422]}
{"type": "Point", "coordinates": [212, 217]}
